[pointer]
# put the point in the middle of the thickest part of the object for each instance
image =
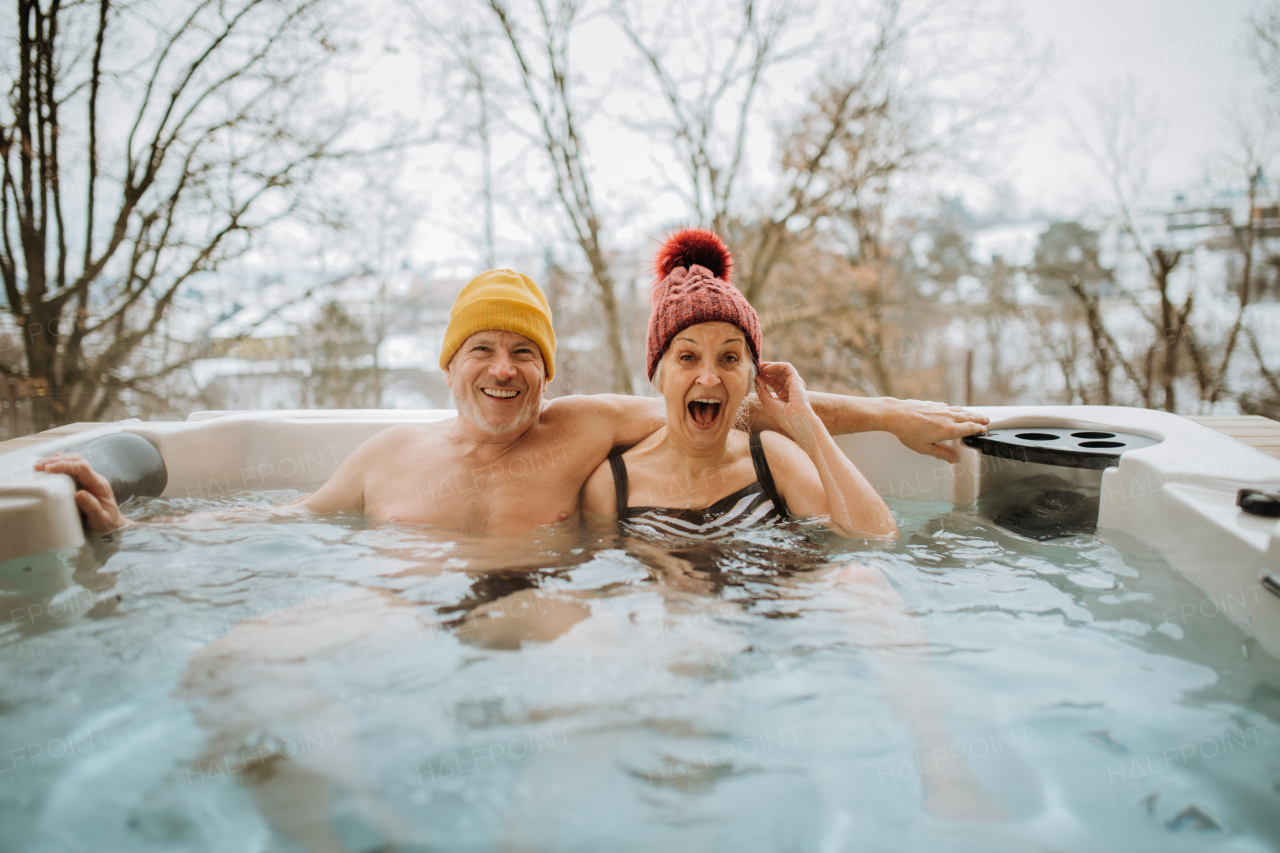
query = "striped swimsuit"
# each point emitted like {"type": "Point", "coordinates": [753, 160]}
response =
{"type": "Point", "coordinates": [758, 504]}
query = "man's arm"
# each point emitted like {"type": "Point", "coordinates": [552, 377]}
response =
{"type": "Point", "coordinates": [344, 490]}
{"type": "Point", "coordinates": [916, 423]}
{"type": "Point", "coordinates": [626, 420]}
{"type": "Point", "coordinates": [94, 496]}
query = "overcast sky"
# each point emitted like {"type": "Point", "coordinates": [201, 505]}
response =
{"type": "Point", "coordinates": [1186, 54]}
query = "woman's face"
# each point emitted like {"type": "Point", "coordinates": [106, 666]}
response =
{"type": "Point", "coordinates": [706, 374]}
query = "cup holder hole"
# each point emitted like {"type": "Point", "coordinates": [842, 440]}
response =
{"type": "Point", "coordinates": [1037, 436]}
{"type": "Point", "coordinates": [1093, 435]}
{"type": "Point", "coordinates": [1102, 444]}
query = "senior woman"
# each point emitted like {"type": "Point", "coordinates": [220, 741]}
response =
{"type": "Point", "coordinates": [698, 476]}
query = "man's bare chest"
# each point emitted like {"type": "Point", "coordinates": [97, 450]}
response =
{"type": "Point", "coordinates": [521, 489]}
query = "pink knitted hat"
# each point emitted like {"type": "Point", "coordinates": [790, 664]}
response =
{"type": "Point", "coordinates": [693, 287]}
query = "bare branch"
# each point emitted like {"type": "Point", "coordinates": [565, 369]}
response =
{"type": "Point", "coordinates": [95, 77]}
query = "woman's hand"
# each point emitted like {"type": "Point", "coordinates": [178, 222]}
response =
{"type": "Point", "coordinates": [783, 398]}
{"type": "Point", "coordinates": [93, 493]}
{"type": "Point", "coordinates": [834, 487]}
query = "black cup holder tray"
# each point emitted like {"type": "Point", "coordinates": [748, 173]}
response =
{"type": "Point", "coordinates": [1064, 447]}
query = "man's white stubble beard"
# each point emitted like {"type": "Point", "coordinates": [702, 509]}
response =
{"type": "Point", "coordinates": [469, 408]}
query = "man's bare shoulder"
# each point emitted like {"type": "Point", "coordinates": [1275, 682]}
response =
{"type": "Point", "coordinates": [402, 437]}
{"type": "Point", "coordinates": [402, 434]}
{"type": "Point", "coordinates": [376, 461]}
{"type": "Point", "coordinates": [579, 405]}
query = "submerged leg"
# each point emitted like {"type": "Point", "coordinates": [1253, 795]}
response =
{"type": "Point", "coordinates": [524, 616]}
{"type": "Point", "coordinates": [252, 692]}
{"type": "Point", "coordinates": [880, 623]}
{"type": "Point", "coordinates": [294, 799]}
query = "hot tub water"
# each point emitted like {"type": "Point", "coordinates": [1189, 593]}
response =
{"type": "Point", "coordinates": [230, 685]}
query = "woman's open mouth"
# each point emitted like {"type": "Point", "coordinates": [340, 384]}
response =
{"type": "Point", "coordinates": [705, 412]}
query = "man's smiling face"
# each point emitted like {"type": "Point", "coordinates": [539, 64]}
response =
{"type": "Point", "coordinates": [497, 379]}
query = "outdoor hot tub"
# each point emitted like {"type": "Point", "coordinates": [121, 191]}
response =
{"type": "Point", "coordinates": [1101, 611]}
{"type": "Point", "coordinates": [1177, 492]}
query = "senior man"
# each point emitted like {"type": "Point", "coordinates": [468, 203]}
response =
{"type": "Point", "coordinates": [510, 461]}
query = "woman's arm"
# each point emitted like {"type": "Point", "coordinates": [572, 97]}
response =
{"type": "Point", "coordinates": [598, 494]}
{"type": "Point", "coordinates": [820, 480]}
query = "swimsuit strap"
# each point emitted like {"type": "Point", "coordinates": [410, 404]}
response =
{"type": "Point", "coordinates": [619, 480]}
{"type": "Point", "coordinates": [764, 475]}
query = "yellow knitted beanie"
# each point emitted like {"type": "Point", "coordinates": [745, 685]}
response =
{"type": "Point", "coordinates": [506, 301]}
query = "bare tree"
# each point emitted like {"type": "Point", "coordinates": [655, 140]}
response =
{"type": "Point", "coordinates": [1067, 255]}
{"type": "Point", "coordinates": [1123, 149]}
{"type": "Point", "coordinates": [884, 113]}
{"type": "Point", "coordinates": [836, 316]}
{"type": "Point", "coordinates": [1059, 334]}
{"type": "Point", "coordinates": [1255, 241]}
{"type": "Point", "coordinates": [469, 88]}
{"type": "Point", "coordinates": [882, 116]}
{"type": "Point", "coordinates": [339, 348]}
{"type": "Point", "coordinates": [540, 52]}
{"type": "Point", "coordinates": [1264, 44]}
{"type": "Point", "coordinates": [1246, 240]}
{"type": "Point", "coordinates": [837, 160]}
{"type": "Point", "coordinates": [1265, 401]}
{"type": "Point", "coordinates": [124, 175]}
{"type": "Point", "coordinates": [710, 107]}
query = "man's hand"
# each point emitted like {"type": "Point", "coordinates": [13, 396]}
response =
{"type": "Point", "coordinates": [93, 493]}
{"type": "Point", "coordinates": [917, 424]}
{"type": "Point", "coordinates": [921, 424]}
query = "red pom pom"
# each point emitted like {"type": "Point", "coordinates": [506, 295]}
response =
{"type": "Point", "coordinates": [694, 246]}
